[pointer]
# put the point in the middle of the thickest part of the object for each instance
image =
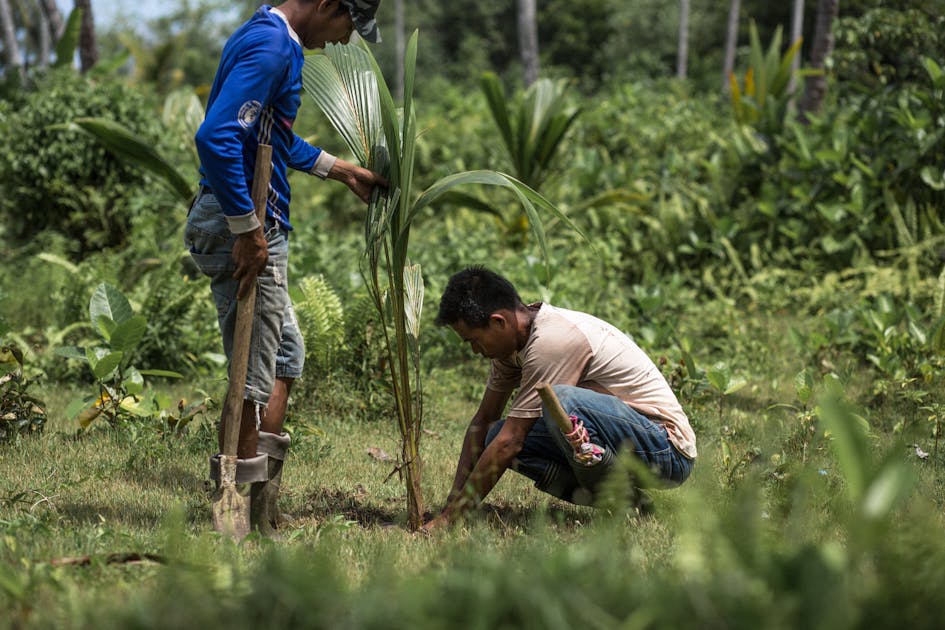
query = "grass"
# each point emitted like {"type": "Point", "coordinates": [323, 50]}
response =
{"type": "Point", "coordinates": [763, 533]}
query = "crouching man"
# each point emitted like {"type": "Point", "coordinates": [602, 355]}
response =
{"type": "Point", "coordinates": [603, 380]}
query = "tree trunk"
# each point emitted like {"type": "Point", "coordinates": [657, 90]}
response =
{"type": "Point", "coordinates": [797, 31]}
{"type": "Point", "coordinates": [400, 47]}
{"type": "Point", "coordinates": [88, 47]}
{"type": "Point", "coordinates": [50, 9]}
{"type": "Point", "coordinates": [731, 41]}
{"type": "Point", "coordinates": [815, 86]}
{"type": "Point", "coordinates": [44, 37]}
{"type": "Point", "coordinates": [528, 40]}
{"type": "Point", "coordinates": [51, 29]}
{"type": "Point", "coordinates": [11, 49]}
{"type": "Point", "coordinates": [682, 52]}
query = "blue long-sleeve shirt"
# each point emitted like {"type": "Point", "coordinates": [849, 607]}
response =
{"type": "Point", "coordinates": [255, 98]}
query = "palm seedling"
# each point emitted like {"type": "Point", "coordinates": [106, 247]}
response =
{"type": "Point", "coordinates": [346, 83]}
{"type": "Point", "coordinates": [762, 99]}
{"type": "Point", "coordinates": [533, 127]}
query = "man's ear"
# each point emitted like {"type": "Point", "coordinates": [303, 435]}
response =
{"type": "Point", "coordinates": [327, 6]}
{"type": "Point", "coordinates": [498, 320]}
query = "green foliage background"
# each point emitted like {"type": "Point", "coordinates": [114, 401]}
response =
{"type": "Point", "coordinates": [62, 179]}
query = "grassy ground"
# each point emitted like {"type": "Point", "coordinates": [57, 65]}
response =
{"type": "Point", "coordinates": [762, 530]}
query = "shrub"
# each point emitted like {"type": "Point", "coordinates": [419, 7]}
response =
{"type": "Point", "coordinates": [885, 45]}
{"type": "Point", "coordinates": [20, 412]}
{"type": "Point", "coordinates": [182, 331]}
{"type": "Point", "coordinates": [55, 177]}
{"type": "Point", "coordinates": [322, 321]}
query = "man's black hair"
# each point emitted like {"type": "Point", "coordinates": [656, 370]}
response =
{"type": "Point", "coordinates": [473, 294]}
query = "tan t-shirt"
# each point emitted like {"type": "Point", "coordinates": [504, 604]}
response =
{"type": "Point", "coordinates": [572, 348]}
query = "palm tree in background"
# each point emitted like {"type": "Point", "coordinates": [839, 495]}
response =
{"type": "Point", "coordinates": [400, 47]}
{"type": "Point", "coordinates": [528, 41]}
{"type": "Point", "coordinates": [797, 31]}
{"type": "Point", "coordinates": [731, 41]}
{"type": "Point", "coordinates": [815, 85]}
{"type": "Point", "coordinates": [88, 46]}
{"type": "Point", "coordinates": [13, 59]}
{"type": "Point", "coordinates": [51, 28]}
{"type": "Point", "coordinates": [682, 52]}
{"type": "Point", "coordinates": [33, 30]}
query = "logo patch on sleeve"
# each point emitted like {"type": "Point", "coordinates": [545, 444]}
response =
{"type": "Point", "coordinates": [248, 113]}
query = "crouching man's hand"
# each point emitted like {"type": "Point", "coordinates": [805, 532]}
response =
{"type": "Point", "coordinates": [437, 523]}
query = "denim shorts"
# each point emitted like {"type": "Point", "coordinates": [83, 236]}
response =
{"type": "Point", "coordinates": [277, 349]}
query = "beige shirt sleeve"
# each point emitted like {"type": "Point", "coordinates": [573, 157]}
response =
{"type": "Point", "coordinates": [558, 355]}
{"type": "Point", "coordinates": [504, 375]}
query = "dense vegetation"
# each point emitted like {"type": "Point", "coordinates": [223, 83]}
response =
{"type": "Point", "coordinates": [788, 278]}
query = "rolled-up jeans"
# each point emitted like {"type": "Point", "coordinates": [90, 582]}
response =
{"type": "Point", "coordinates": [547, 457]}
{"type": "Point", "coordinates": [277, 349]}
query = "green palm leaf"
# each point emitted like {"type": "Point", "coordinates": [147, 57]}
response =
{"type": "Point", "coordinates": [346, 91]}
{"type": "Point", "coordinates": [495, 99]}
{"type": "Point", "coordinates": [65, 47]}
{"type": "Point", "coordinates": [533, 128]}
{"type": "Point", "coordinates": [121, 141]}
{"type": "Point", "coordinates": [390, 119]}
{"type": "Point", "coordinates": [409, 133]}
{"type": "Point", "coordinates": [527, 197]}
{"type": "Point", "coordinates": [413, 304]}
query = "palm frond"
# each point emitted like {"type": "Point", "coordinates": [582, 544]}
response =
{"type": "Point", "coordinates": [127, 145]}
{"type": "Point", "coordinates": [530, 200]}
{"type": "Point", "coordinates": [69, 41]}
{"type": "Point", "coordinates": [532, 129]}
{"type": "Point", "coordinates": [496, 100]}
{"type": "Point", "coordinates": [409, 126]}
{"type": "Point", "coordinates": [390, 122]}
{"type": "Point", "coordinates": [413, 299]}
{"type": "Point", "coordinates": [340, 82]}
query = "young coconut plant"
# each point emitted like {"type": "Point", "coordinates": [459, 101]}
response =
{"type": "Point", "coordinates": [532, 127]}
{"type": "Point", "coordinates": [347, 84]}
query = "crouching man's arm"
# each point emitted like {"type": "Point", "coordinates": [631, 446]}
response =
{"type": "Point", "coordinates": [481, 467]}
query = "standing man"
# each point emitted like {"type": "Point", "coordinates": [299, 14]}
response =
{"type": "Point", "coordinates": [602, 378]}
{"type": "Point", "coordinates": [255, 97]}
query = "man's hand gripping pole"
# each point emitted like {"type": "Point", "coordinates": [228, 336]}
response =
{"type": "Point", "coordinates": [585, 452]}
